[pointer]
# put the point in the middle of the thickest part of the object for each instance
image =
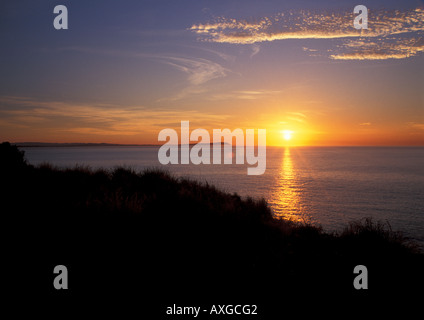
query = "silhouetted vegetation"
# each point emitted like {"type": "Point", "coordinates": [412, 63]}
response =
{"type": "Point", "coordinates": [120, 229]}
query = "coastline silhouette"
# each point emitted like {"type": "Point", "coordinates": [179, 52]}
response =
{"type": "Point", "coordinates": [123, 231]}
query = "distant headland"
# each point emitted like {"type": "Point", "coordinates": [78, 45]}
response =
{"type": "Point", "coordinates": [82, 144]}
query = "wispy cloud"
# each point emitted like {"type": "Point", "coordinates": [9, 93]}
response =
{"type": "Point", "coordinates": [222, 55]}
{"type": "Point", "coordinates": [296, 117]}
{"type": "Point", "coordinates": [255, 50]}
{"type": "Point", "coordinates": [416, 125]}
{"type": "Point", "coordinates": [298, 114]}
{"type": "Point", "coordinates": [390, 34]}
{"type": "Point", "coordinates": [98, 119]}
{"type": "Point", "coordinates": [245, 94]}
{"type": "Point", "coordinates": [198, 70]}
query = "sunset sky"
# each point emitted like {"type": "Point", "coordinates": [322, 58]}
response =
{"type": "Point", "coordinates": [125, 70]}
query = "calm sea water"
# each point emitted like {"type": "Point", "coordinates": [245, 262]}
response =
{"type": "Point", "coordinates": [327, 186]}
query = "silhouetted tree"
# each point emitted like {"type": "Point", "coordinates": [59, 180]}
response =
{"type": "Point", "coordinates": [11, 157]}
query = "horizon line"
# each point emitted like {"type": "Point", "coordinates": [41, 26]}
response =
{"type": "Point", "coordinates": [29, 144]}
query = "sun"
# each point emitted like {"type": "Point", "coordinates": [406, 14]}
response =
{"type": "Point", "coordinates": [287, 134]}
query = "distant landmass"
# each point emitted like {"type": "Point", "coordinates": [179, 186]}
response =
{"type": "Point", "coordinates": [80, 144]}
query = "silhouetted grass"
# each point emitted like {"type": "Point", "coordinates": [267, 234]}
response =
{"type": "Point", "coordinates": [153, 230]}
{"type": "Point", "coordinates": [369, 230]}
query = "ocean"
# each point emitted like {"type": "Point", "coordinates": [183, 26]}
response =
{"type": "Point", "coordinates": [327, 186]}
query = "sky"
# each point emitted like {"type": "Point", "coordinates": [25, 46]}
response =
{"type": "Point", "coordinates": [125, 70]}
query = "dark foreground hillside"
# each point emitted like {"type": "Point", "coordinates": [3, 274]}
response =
{"type": "Point", "coordinates": [151, 240]}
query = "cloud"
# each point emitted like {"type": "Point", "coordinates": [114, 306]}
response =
{"type": "Point", "coordinates": [198, 70]}
{"type": "Point", "coordinates": [255, 50]}
{"type": "Point", "coordinates": [224, 56]}
{"type": "Point", "coordinates": [98, 119]}
{"type": "Point", "coordinates": [299, 114]}
{"type": "Point", "coordinates": [380, 49]}
{"type": "Point", "coordinates": [245, 95]}
{"type": "Point", "coordinates": [296, 116]}
{"type": "Point", "coordinates": [309, 50]}
{"type": "Point", "coordinates": [415, 125]}
{"type": "Point", "coordinates": [365, 124]}
{"type": "Point", "coordinates": [390, 34]}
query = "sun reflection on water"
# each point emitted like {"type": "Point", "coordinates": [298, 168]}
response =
{"type": "Point", "coordinates": [287, 194]}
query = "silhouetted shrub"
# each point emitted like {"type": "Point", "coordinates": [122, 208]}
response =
{"type": "Point", "coordinates": [11, 158]}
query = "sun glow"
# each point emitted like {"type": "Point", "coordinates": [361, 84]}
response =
{"type": "Point", "coordinates": [287, 134]}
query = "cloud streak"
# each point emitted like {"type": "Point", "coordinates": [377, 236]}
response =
{"type": "Point", "coordinates": [245, 94]}
{"type": "Point", "coordinates": [381, 49]}
{"type": "Point", "coordinates": [198, 70]}
{"type": "Point", "coordinates": [390, 34]}
{"type": "Point", "coordinates": [98, 119]}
